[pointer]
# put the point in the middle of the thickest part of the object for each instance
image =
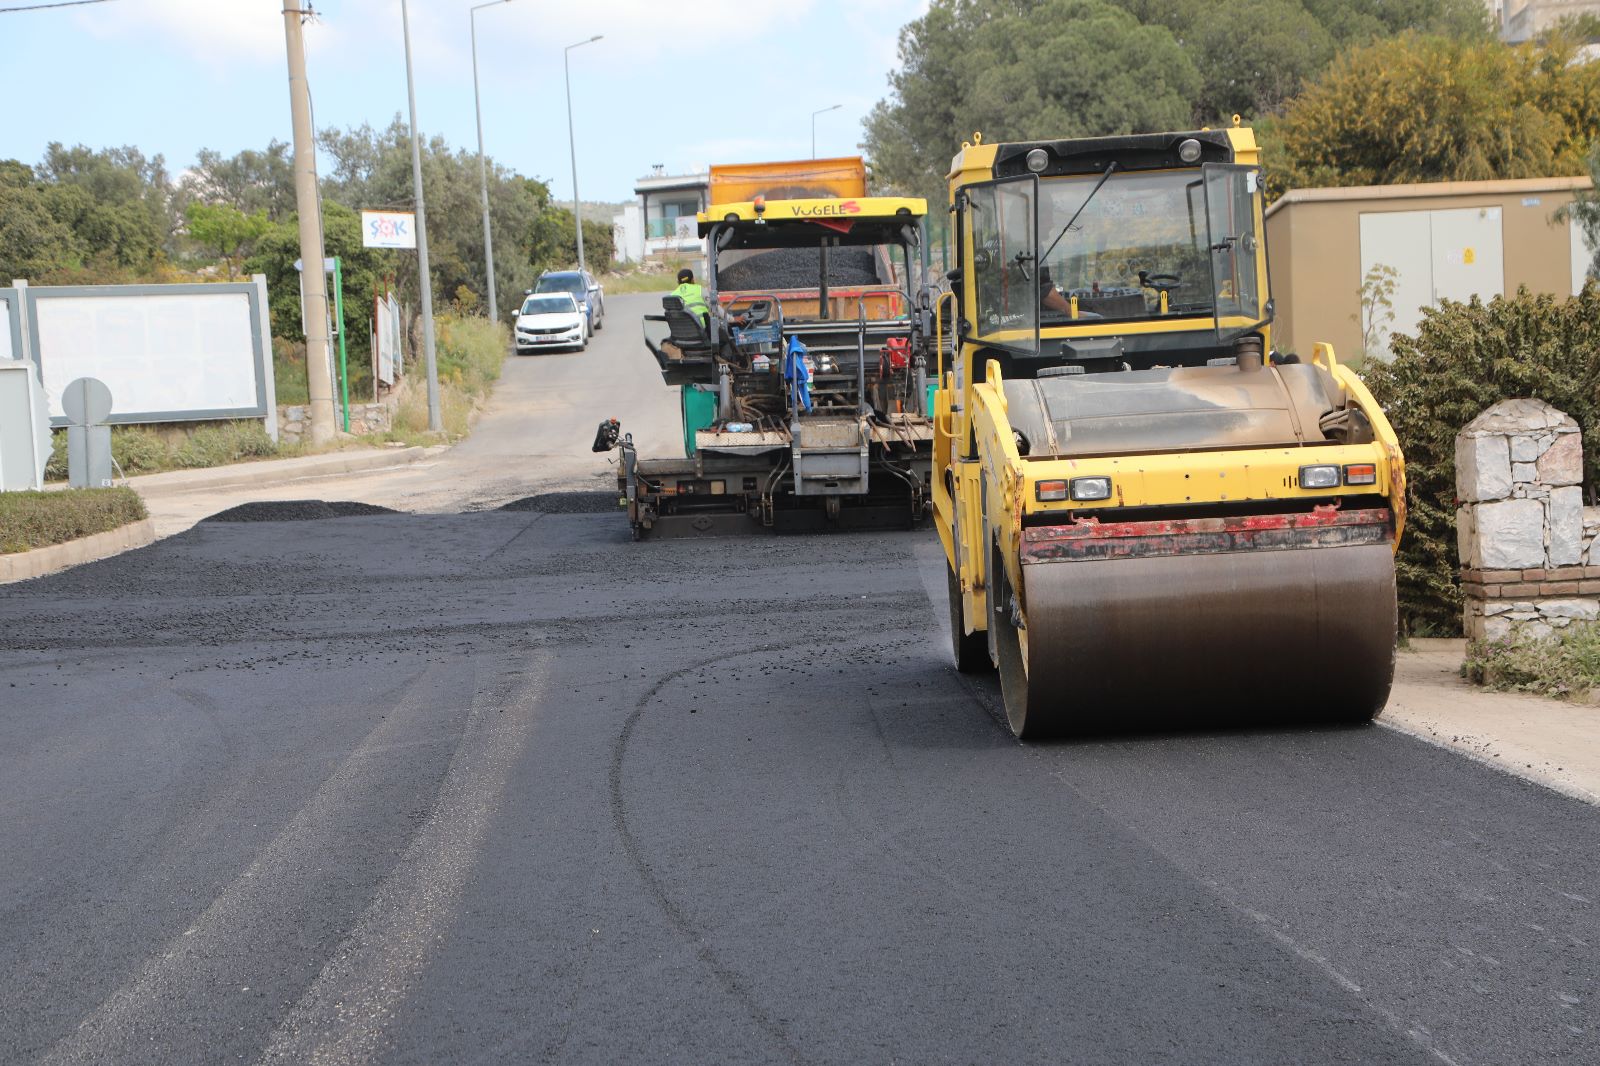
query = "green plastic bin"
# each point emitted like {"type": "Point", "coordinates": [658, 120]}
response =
{"type": "Point", "coordinates": [699, 411]}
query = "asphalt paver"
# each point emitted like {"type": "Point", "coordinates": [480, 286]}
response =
{"type": "Point", "coordinates": [506, 786]}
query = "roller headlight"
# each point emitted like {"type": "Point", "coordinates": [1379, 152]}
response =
{"type": "Point", "coordinates": [1091, 488]}
{"type": "Point", "coordinates": [1038, 159]}
{"type": "Point", "coordinates": [1319, 477]}
{"type": "Point", "coordinates": [1189, 150]}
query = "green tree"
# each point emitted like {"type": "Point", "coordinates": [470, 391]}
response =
{"type": "Point", "coordinates": [997, 66]}
{"type": "Point", "coordinates": [372, 169]}
{"type": "Point", "coordinates": [118, 204]}
{"type": "Point", "coordinates": [1417, 108]}
{"type": "Point", "coordinates": [1351, 21]}
{"type": "Point", "coordinates": [1585, 209]}
{"type": "Point", "coordinates": [224, 229]}
{"type": "Point", "coordinates": [250, 181]}
{"type": "Point", "coordinates": [1253, 55]}
{"type": "Point", "coordinates": [366, 271]}
{"type": "Point", "coordinates": [33, 244]}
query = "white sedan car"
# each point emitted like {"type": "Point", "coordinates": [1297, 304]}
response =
{"type": "Point", "coordinates": [550, 320]}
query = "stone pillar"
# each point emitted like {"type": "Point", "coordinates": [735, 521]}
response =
{"type": "Point", "coordinates": [1529, 560]}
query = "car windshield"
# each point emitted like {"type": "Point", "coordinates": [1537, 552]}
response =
{"type": "Point", "coordinates": [562, 283]}
{"type": "Point", "coordinates": [548, 305]}
{"type": "Point", "coordinates": [1142, 235]}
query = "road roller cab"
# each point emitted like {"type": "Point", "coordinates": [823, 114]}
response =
{"type": "Point", "coordinates": [1144, 505]}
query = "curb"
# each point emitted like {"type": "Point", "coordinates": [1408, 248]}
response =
{"type": "Point", "coordinates": [21, 566]}
{"type": "Point", "coordinates": [253, 474]}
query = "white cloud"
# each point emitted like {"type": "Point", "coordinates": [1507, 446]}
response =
{"type": "Point", "coordinates": [214, 33]}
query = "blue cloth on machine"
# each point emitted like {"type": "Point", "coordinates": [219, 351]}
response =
{"type": "Point", "coordinates": [796, 371]}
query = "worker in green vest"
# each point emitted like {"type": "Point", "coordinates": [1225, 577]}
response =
{"type": "Point", "coordinates": [693, 296]}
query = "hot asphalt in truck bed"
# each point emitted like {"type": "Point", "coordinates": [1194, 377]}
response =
{"type": "Point", "coordinates": [506, 786]}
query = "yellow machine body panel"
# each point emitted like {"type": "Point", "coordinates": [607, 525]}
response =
{"type": "Point", "coordinates": [1124, 470]}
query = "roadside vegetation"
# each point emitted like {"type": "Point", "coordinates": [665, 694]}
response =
{"type": "Point", "coordinates": [1565, 666]}
{"type": "Point", "coordinates": [1465, 358]}
{"type": "Point", "coordinates": [31, 520]}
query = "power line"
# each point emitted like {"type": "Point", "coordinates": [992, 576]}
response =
{"type": "Point", "coordinates": [41, 7]}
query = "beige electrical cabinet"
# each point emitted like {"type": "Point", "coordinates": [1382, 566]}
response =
{"type": "Point", "coordinates": [1453, 254]}
{"type": "Point", "coordinates": [1445, 240]}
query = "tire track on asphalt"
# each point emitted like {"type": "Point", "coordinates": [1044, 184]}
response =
{"type": "Point", "coordinates": [132, 1023]}
{"type": "Point", "coordinates": [675, 914]}
{"type": "Point", "coordinates": [344, 1016]}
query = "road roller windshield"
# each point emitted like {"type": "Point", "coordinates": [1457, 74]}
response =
{"type": "Point", "coordinates": [1154, 244]}
{"type": "Point", "coordinates": [1166, 245]}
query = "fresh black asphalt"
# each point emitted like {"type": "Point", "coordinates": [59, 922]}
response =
{"type": "Point", "coordinates": [507, 787]}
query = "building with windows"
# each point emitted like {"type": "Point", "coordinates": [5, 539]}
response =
{"type": "Point", "coordinates": [661, 225]}
{"type": "Point", "coordinates": [1523, 20]}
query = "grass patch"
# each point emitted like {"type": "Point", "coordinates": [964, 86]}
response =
{"type": "Point", "coordinates": [1565, 666]}
{"type": "Point", "coordinates": [31, 520]}
{"type": "Point", "coordinates": [470, 352]}
{"type": "Point", "coordinates": [138, 450]}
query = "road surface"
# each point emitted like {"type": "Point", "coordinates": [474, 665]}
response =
{"type": "Point", "coordinates": [500, 785]}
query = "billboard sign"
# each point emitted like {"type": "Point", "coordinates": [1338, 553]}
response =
{"type": "Point", "coordinates": [168, 353]}
{"type": "Point", "coordinates": [388, 229]}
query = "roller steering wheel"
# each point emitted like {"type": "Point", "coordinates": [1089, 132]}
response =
{"type": "Point", "coordinates": [1159, 282]}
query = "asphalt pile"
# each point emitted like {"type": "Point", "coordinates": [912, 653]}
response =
{"type": "Point", "coordinates": [798, 268]}
{"type": "Point", "coordinates": [297, 511]}
{"type": "Point", "coordinates": [598, 502]}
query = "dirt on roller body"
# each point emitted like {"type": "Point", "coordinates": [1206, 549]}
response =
{"type": "Point", "coordinates": [798, 268]}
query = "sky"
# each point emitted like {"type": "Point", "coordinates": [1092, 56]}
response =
{"type": "Point", "coordinates": [681, 83]}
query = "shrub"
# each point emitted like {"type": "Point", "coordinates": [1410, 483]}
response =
{"type": "Point", "coordinates": [224, 442]}
{"type": "Point", "coordinates": [55, 468]}
{"type": "Point", "coordinates": [1565, 666]}
{"type": "Point", "coordinates": [38, 519]}
{"type": "Point", "coordinates": [1465, 358]}
{"type": "Point", "coordinates": [139, 451]}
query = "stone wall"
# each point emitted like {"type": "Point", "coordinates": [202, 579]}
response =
{"type": "Point", "coordinates": [365, 418]}
{"type": "Point", "coordinates": [1530, 561]}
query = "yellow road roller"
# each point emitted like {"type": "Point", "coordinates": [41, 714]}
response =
{"type": "Point", "coordinates": [1148, 511]}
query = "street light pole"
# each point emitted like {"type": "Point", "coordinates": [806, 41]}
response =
{"type": "Point", "coordinates": [425, 281]}
{"type": "Point", "coordinates": [483, 170]}
{"type": "Point", "coordinates": [572, 143]}
{"type": "Point", "coordinates": [814, 115]}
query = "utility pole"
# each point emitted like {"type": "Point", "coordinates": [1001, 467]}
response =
{"type": "Point", "coordinates": [572, 143]}
{"type": "Point", "coordinates": [425, 282]}
{"type": "Point", "coordinates": [314, 283]}
{"type": "Point", "coordinates": [483, 170]}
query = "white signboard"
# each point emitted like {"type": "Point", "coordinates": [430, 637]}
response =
{"type": "Point", "coordinates": [388, 229]}
{"type": "Point", "coordinates": [159, 354]}
{"type": "Point", "coordinates": [386, 337]}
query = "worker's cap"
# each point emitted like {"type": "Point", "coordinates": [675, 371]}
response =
{"type": "Point", "coordinates": [685, 274]}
